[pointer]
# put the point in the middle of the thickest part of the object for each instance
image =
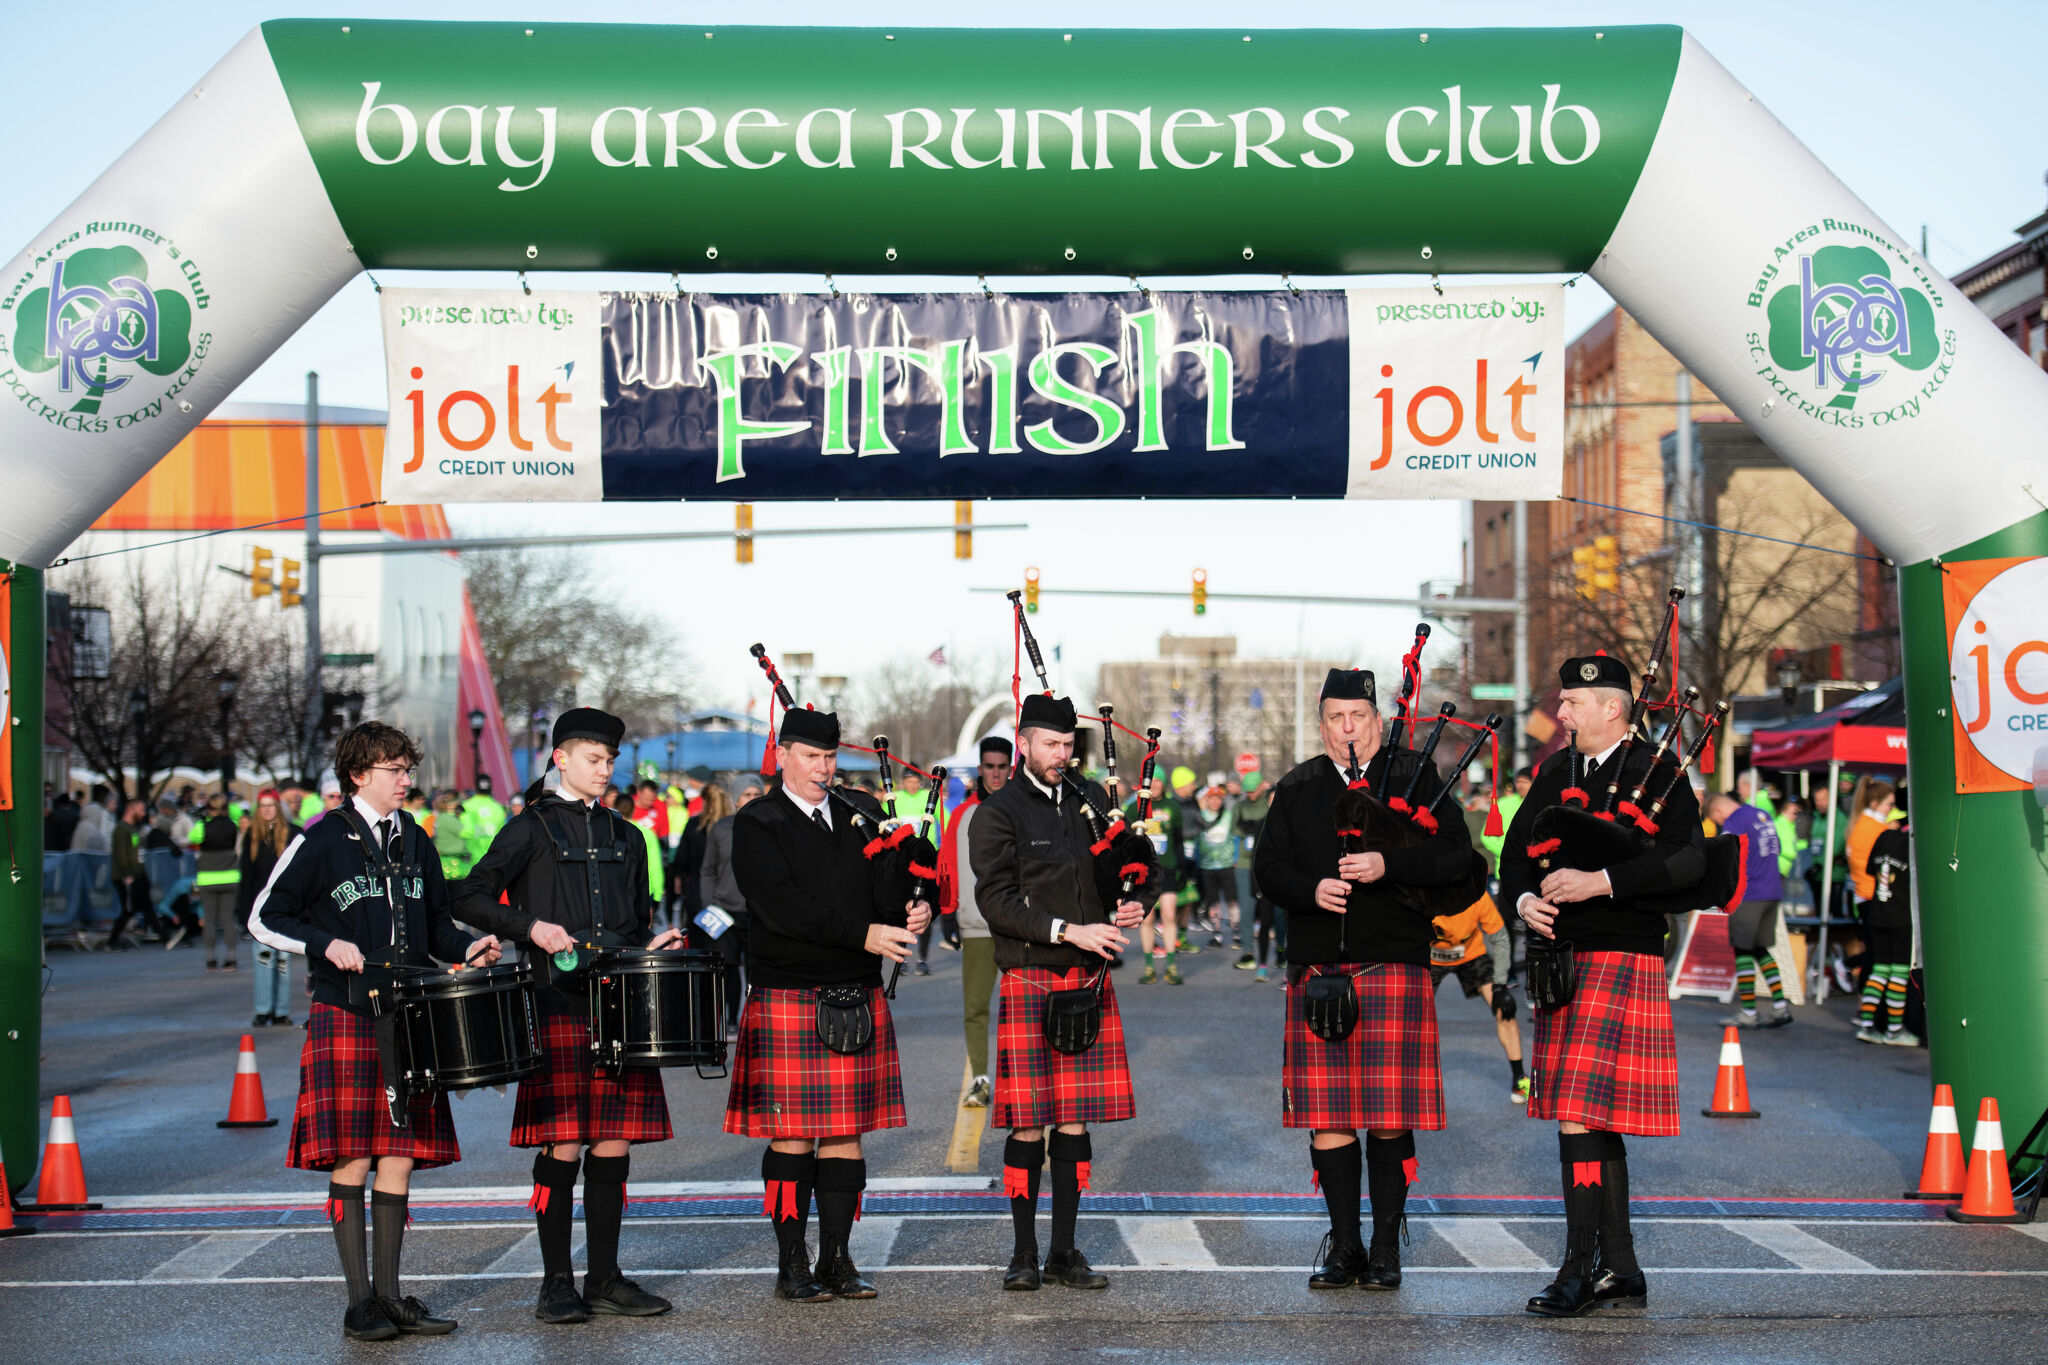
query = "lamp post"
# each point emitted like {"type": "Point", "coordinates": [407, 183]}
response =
{"type": "Point", "coordinates": [230, 683]}
{"type": "Point", "coordinates": [670, 771]}
{"type": "Point", "coordinates": [833, 685]}
{"type": "Point", "coordinates": [1789, 675]}
{"type": "Point", "coordinates": [534, 761]}
{"type": "Point", "coordinates": [138, 708]}
{"type": "Point", "coordinates": [476, 739]}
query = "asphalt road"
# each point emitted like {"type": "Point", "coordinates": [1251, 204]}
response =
{"type": "Point", "coordinates": [216, 1249]}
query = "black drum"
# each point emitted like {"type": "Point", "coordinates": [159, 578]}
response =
{"type": "Point", "coordinates": [469, 1028]}
{"type": "Point", "coordinates": [657, 1008]}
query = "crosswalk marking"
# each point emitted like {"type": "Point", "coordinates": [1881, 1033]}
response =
{"type": "Point", "coordinates": [1487, 1243]}
{"type": "Point", "coordinates": [523, 1256]}
{"type": "Point", "coordinates": [213, 1256]}
{"type": "Point", "coordinates": [872, 1240]}
{"type": "Point", "coordinates": [1165, 1243]}
{"type": "Point", "coordinates": [1795, 1244]}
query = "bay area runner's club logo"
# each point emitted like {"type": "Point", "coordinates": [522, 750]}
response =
{"type": "Point", "coordinates": [86, 333]}
{"type": "Point", "coordinates": [1848, 339]}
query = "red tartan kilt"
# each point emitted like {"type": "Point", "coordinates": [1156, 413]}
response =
{"type": "Point", "coordinates": [340, 1115]}
{"type": "Point", "coordinates": [1607, 1059]}
{"type": "Point", "coordinates": [570, 1101]}
{"type": "Point", "coordinates": [1385, 1075]}
{"type": "Point", "coordinates": [1036, 1084]}
{"type": "Point", "coordinates": [787, 1084]}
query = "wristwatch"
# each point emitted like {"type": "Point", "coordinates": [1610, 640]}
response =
{"type": "Point", "coordinates": [1059, 931]}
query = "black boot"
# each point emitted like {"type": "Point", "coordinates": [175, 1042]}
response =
{"type": "Point", "coordinates": [788, 1177]}
{"type": "Point", "coordinates": [840, 1183]}
{"type": "Point", "coordinates": [606, 1289]}
{"type": "Point", "coordinates": [1342, 1255]}
{"type": "Point", "coordinates": [1064, 1264]}
{"type": "Point", "coordinates": [1618, 1280]}
{"type": "Point", "coordinates": [1389, 1166]}
{"type": "Point", "coordinates": [1023, 1163]}
{"type": "Point", "coordinates": [554, 1212]}
{"type": "Point", "coordinates": [1570, 1295]}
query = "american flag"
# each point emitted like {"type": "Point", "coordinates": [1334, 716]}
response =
{"type": "Point", "coordinates": [938, 657]}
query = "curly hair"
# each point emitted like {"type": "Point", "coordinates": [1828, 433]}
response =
{"type": "Point", "coordinates": [364, 746]}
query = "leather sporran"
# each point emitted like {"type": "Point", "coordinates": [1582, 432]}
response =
{"type": "Point", "coordinates": [846, 1021]}
{"type": "Point", "coordinates": [1073, 1019]}
{"type": "Point", "coordinates": [1329, 1004]}
{"type": "Point", "coordinates": [1552, 973]}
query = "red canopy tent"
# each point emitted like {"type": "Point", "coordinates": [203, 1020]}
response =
{"type": "Point", "coordinates": [1866, 731]}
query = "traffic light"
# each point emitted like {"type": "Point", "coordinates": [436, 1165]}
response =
{"type": "Point", "coordinates": [1606, 563]}
{"type": "Point", "coordinates": [1031, 590]}
{"type": "Point", "coordinates": [259, 572]}
{"type": "Point", "coordinates": [1200, 592]}
{"type": "Point", "coordinates": [288, 584]}
{"type": "Point", "coordinates": [1582, 570]}
{"type": "Point", "coordinates": [963, 534]}
{"type": "Point", "coordinates": [743, 532]}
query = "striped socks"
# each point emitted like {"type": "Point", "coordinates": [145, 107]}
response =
{"type": "Point", "coordinates": [1873, 996]}
{"type": "Point", "coordinates": [1745, 981]}
{"type": "Point", "coordinates": [1769, 962]}
{"type": "Point", "coordinates": [1895, 998]}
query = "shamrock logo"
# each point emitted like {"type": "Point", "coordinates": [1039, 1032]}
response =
{"type": "Point", "coordinates": [1844, 312]}
{"type": "Point", "coordinates": [98, 312]}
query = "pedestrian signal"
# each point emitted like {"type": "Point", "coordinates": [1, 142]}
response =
{"type": "Point", "coordinates": [288, 584]}
{"type": "Point", "coordinates": [1031, 590]}
{"type": "Point", "coordinates": [259, 572]}
{"type": "Point", "coordinates": [1200, 592]}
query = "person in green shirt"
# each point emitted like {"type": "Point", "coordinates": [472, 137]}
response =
{"type": "Point", "coordinates": [482, 818]}
{"type": "Point", "coordinates": [218, 881]}
{"type": "Point", "coordinates": [1215, 833]}
{"type": "Point", "coordinates": [1162, 920]}
{"type": "Point", "coordinates": [907, 803]}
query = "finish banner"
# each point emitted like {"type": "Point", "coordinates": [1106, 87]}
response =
{"type": "Point", "coordinates": [1406, 393]}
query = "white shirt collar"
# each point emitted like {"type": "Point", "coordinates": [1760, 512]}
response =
{"type": "Point", "coordinates": [369, 813]}
{"type": "Point", "coordinates": [1607, 752]}
{"type": "Point", "coordinates": [1053, 792]}
{"type": "Point", "coordinates": [810, 807]}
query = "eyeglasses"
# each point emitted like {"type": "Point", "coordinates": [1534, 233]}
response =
{"type": "Point", "coordinates": [393, 768]}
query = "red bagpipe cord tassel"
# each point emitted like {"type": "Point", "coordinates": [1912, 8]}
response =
{"type": "Point", "coordinates": [1575, 796]}
{"type": "Point", "coordinates": [1017, 669]}
{"type": "Point", "coordinates": [1408, 1170]}
{"type": "Point", "coordinates": [1137, 872]}
{"type": "Point", "coordinates": [1585, 1173]}
{"type": "Point", "coordinates": [1707, 760]}
{"type": "Point", "coordinates": [768, 749]}
{"type": "Point", "coordinates": [336, 1210]}
{"type": "Point", "coordinates": [1494, 829]}
{"type": "Point", "coordinates": [1081, 1174]}
{"type": "Point", "coordinates": [1016, 1182]}
{"type": "Point", "coordinates": [1426, 820]}
{"type": "Point", "coordinates": [787, 1190]}
{"type": "Point", "coordinates": [1109, 836]}
{"type": "Point", "coordinates": [538, 1200]}
{"type": "Point", "coordinates": [1546, 848]}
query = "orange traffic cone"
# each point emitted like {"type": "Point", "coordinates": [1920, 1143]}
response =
{"type": "Point", "coordinates": [1941, 1170]}
{"type": "Point", "coordinates": [1987, 1189]}
{"type": "Point", "coordinates": [61, 1186]}
{"type": "Point", "coordinates": [8, 1227]}
{"type": "Point", "coordinates": [1731, 1087]}
{"type": "Point", "coordinates": [245, 1105]}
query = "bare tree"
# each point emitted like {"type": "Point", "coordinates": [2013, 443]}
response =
{"type": "Point", "coordinates": [271, 727]}
{"type": "Point", "coordinates": [918, 704]}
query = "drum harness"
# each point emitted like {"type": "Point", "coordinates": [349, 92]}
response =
{"type": "Point", "coordinates": [373, 991]}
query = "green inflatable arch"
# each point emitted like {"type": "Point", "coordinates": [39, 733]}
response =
{"type": "Point", "coordinates": [316, 149]}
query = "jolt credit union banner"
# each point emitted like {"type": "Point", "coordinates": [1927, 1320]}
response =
{"type": "Point", "coordinates": [1316, 394]}
{"type": "Point", "coordinates": [1998, 670]}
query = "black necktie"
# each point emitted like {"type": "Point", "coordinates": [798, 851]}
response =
{"type": "Point", "coordinates": [387, 836]}
{"type": "Point", "coordinates": [818, 815]}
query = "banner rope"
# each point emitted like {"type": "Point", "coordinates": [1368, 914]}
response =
{"type": "Point", "coordinates": [1728, 530]}
{"type": "Point", "coordinates": [205, 535]}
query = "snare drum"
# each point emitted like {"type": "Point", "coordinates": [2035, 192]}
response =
{"type": "Point", "coordinates": [657, 1008]}
{"type": "Point", "coordinates": [469, 1028]}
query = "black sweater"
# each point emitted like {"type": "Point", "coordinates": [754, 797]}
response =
{"type": "Point", "coordinates": [1032, 866]}
{"type": "Point", "coordinates": [322, 890]}
{"type": "Point", "coordinates": [1299, 848]}
{"type": "Point", "coordinates": [811, 895]}
{"type": "Point", "coordinates": [1675, 859]}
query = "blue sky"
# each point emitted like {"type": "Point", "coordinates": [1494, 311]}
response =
{"type": "Point", "coordinates": [1931, 114]}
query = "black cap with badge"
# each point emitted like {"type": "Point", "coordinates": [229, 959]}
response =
{"type": "Point", "coordinates": [1047, 713]}
{"type": "Point", "coordinates": [1349, 684]}
{"type": "Point", "coordinates": [1594, 670]}
{"type": "Point", "coordinates": [819, 729]}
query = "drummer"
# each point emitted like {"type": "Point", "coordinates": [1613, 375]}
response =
{"type": "Point", "coordinates": [329, 898]}
{"type": "Point", "coordinates": [573, 873]}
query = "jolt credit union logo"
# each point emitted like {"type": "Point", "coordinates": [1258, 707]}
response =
{"type": "Point", "coordinates": [1847, 338]}
{"type": "Point", "coordinates": [95, 325]}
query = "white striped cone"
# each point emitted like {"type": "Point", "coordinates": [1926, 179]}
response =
{"type": "Point", "coordinates": [245, 1105]}
{"type": "Point", "coordinates": [1987, 1189]}
{"type": "Point", "coordinates": [1731, 1085]}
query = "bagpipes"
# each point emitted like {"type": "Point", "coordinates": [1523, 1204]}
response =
{"type": "Point", "coordinates": [923, 876]}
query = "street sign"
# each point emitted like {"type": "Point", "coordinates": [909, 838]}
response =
{"type": "Point", "coordinates": [348, 660]}
{"type": "Point", "coordinates": [1493, 691]}
{"type": "Point", "coordinates": [1247, 763]}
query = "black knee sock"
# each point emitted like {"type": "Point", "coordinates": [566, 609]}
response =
{"type": "Point", "coordinates": [789, 1177]}
{"type": "Point", "coordinates": [1389, 1167]}
{"type": "Point", "coordinates": [389, 1237]}
{"type": "Point", "coordinates": [1515, 1069]}
{"type": "Point", "coordinates": [839, 1185]}
{"type": "Point", "coordinates": [1339, 1171]}
{"type": "Point", "coordinates": [345, 1211]}
{"type": "Point", "coordinates": [604, 1208]}
{"type": "Point", "coordinates": [554, 1209]}
{"type": "Point", "coordinates": [1022, 1164]}
{"type": "Point", "coordinates": [1617, 1239]}
{"type": "Point", "coordinates": [1070, 1156]}
{"type": "Point", "coordinates": [1581, 1155]}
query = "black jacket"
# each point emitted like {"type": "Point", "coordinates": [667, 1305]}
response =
{"type": "Point", "coordinates": [323, 890]}
{"type": "Point", "coordinates": [1299, 848]}
{"type": "Point", "coordinates": [1032, 865]}
{"type": "Point", "coordinates": [258, 861]}
{"type": "Point", "coordinates": [1891, 864]}
{"type": "Point", "coordinates": [1675, 859]}
{"type": "Point", "coordinates": [525, 863]}
{"type": "Point", "coordinates": [811, 895]}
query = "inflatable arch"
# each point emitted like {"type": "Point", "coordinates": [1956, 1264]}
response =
{"type": "Point", "coordinates": [318, 148]}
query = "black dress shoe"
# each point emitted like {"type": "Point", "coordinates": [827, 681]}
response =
{"type": "Point", "coordinates": [559, 1301]}
{"type": "Point", "coordinates": [367, 1321]}
{"type": "Point", "coordinates": [623, 1298]}
{"type": "Point", "coordinates": [411, 1317]}
{"type": "Point", "coordinates": [1620, 1291]}
{"type": "Point", "coordinates": [1071, 1269]}
{"type": "Point", "coordinates": [1023, 1271]}
{"type": "Point", "coordinates": [1382, 1267]}
{"type": "Point", "coordinates": [794, 1280]}
{"type": "Point", "coordinates": [1343, 1264]}
{"type": "Point", "coordinates": [1567, 1296]}
{"type": "Point", "coordinates": [838, 1273]}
